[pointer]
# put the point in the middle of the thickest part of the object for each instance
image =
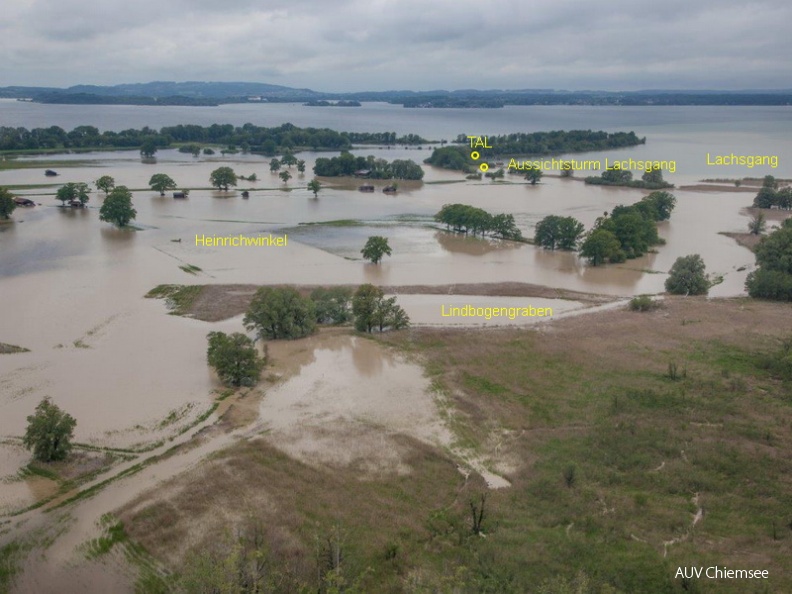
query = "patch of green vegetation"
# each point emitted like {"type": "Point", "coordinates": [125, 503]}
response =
{"type": "Point", "coordinates": [113, 533]}
{"type": "Point", "coordinates": [80, 344]}
{"type": "Point", "coordinates": [190, 268]}
{"type": "Point", "coordinates": [7, 164]}
{"type": "Point", "coordinates": [10, 349]}
{"type": "Point", "coordinates": [336, 223]}
{"type": "Point", "coordinates": [178, 298]}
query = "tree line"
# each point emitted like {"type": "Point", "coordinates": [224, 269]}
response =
{"type": "Point", "coordinates": [773, 278]}
{"type": "Point", "coordinates": [555, 142]}
{"type": "Point", "coordinates": [650, 180]}
{"type": "Point", "coordinates": [770, 195]}
{"type": "Point", "coordinates": [248, 137]}
{"type": "Point", "coordinates": [277, 313]}
{"type": "Point", "coordinates": [348, 164]}
{"type": "Point", "coordinates": [463, 218]}
{"type": "Point", "coordinates": [627, 232]}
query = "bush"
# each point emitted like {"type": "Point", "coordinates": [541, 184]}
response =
{"type": "Point", "coordinates": [643, 303]}
{"type": "Point", "coordinates": [49, 432]}
{"type": "Point", "coordinates": [688, 277]}
{"type": "Point", "coordinates": [234, 358]}
{"type": "Point", "coordinates": [769, 284]}
{"type": "Point", "coordinates": [280, 312]}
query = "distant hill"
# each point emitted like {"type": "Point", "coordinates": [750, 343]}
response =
{"type": "Point", "coordinates": [215, 93]}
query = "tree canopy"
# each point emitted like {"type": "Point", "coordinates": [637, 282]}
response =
{"type": "Point", "coordinates": [773, 278]}
{"type": "Point", "coordinates": [161, 182]}
{"type": "Point", "coordinates": [332, 305]}
{"type": "Point", "coordinates": [601, 246]}
{"type": "Point", "coordinates": [7, 204]}
{"type": "Point", "coordinates": [280, 312]}
{"type": "Point", "coordinates": [105, 183]}
{"type": "Point", "coordinates": [469, 219]}
{"type": "Point", "coordinates": [148, 148]}
{"type": "Point", "coordinates": [234, 358]}
{"type": "Point", "coordinates": [373, 311]}
{"type": "Point", "coordinates": [49, 432]}
{"type": "Point", "coordinates": [376, 247]}
{"type": "Point", "coordinates": [315, 185]}
{"type": "Point", "coordinates": [348, 164]}
{"type": "Point", "coordinates": [73, 191]}
{"type": "Point", "coordinates": [688, 276]}
{"type": "Point", "coordinates": [554, 232]}
{"type": "Point", "coordinates": [117, 207]}
{"type": "Point", "coordinates": [223, 178]}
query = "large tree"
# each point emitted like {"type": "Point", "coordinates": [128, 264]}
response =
{"type": "Point", "coordinates": [117, 207]}
{"type": "Point", "coordinates": [105, 183]}
{"type": "Point", "coordinates": [161, 182]}
{"type": "Point", "coordinates": [223, 178]}
{"type": "Point", "coordinates": [148, 148]}
{"type": "Point", "coordinates": [49, 432]}
{"type": "Point", "coordinates": [285, 176]}
{"type": "Point", "coordinates": [7, 204]}
{"type": "Point", "coordinates": [332, 305]}
{"type": "Point", "coordinates": [73, 191]}
{"type": "Point", "coordinates": [373, 311]}
{"type": "Point", "coordinates": [376, 247]}
{"type": "Point", "coordinates": [280, 312]}
{"type": "Point", "coordinates": [558, 232]}
{"type": "Point", "coordinates": [688, 276]}
{"type": "Point", "coordinates": [601, 246]}
{"type": "Point", "coordinates": [234, 358]}
{"type": "Point", "coordinates": [275, 165]}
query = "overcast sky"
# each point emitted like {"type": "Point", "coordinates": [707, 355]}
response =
{"type": "Point", "coordinates": [355, 45]}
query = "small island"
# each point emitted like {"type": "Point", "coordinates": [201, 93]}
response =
{"type": "Point", "coordinates": [323, 103]}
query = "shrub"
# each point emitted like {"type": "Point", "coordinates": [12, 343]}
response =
{"type": "Point", "coordinates": [643, 303]}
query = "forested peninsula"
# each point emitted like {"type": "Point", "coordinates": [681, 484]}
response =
{"type": "Point", "coordinates": [457, 157]}
{"type": "Point", "coordinates": [255, 139]}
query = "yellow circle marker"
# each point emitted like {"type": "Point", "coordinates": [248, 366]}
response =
{"type": "Point", "coordinates": [484, 167]}
{"type": "Point", "coordinates": [474, 155]}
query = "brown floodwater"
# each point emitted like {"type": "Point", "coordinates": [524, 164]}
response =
{"type": "Point", "coordinates": [123, 368]}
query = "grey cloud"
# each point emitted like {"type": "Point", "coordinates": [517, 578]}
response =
{"type": "Point", "coordinates": [380, 44]}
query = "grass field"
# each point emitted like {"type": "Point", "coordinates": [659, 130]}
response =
{"type": "Point", "coordinates": [635, 443]}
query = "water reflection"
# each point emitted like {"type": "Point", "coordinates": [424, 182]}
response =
{"type": "Point", "coordinates": [473, 246]}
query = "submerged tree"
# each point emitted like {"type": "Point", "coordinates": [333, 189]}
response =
{"type": "Point", "coordinates": [314, 185]}
{"type": "Point", "coordinates": [285, 176]}
{"type": "Point", "coordinates": [376, 247]}
{"type": "Point", "coordinates": [117, 207]}
{"type": "Point", "coordinates": [105, 183]}
{"type": "Point", "coordinates": [160, 182]}
{"type": "Point", "coordinates": [234, 358]}
{"type": "Point", "coordinates": [7, 204]}
{"type": "Point", "coordinates": [73, 191]}
{"type": "Point", "coordinates": [49, 432]}
{"type": "Point", "coordinates": [223, 178]}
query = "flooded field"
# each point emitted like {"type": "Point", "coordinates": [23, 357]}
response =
{"type": "Point", "coordinates": [136, 378]}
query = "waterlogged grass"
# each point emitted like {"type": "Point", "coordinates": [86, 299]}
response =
{"type": "Point", "coordinates": [178, 298]}
{"type": "Point", "coordinates": [190, 269]}
{"type": "Point", "coordinates": [336, 223]}
{"type": "Point", "coordinates": [10, 349]}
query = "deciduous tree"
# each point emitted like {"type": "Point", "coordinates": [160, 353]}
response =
{"type": "Point", "coordinates": [234, 358]}
{"type": "Point", "coordinates": [73, 191]}
{"type": "Point", "coordinates": [7, 204]}
{"type": "Point", "coordinates": [160, 182]}
{"type": "Point", "coordinates": [117, 207]}
{"type": "Point", "coordinates": [688, 276]}
{"type": "Point", "coordinates": [376, 247]}
{"type": "Point", "coordinates": [105, 183]}
{"type": "Point", "coordinates": [223, 178]}
{"type": "Point", "coordinates": [280, 312]}
{"type": "Point", "coordinates": [314, 185]}
{"type": "Point", "coordinates": [49, 432]}
{"type": "Point", "coordinates": [601, 246]}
